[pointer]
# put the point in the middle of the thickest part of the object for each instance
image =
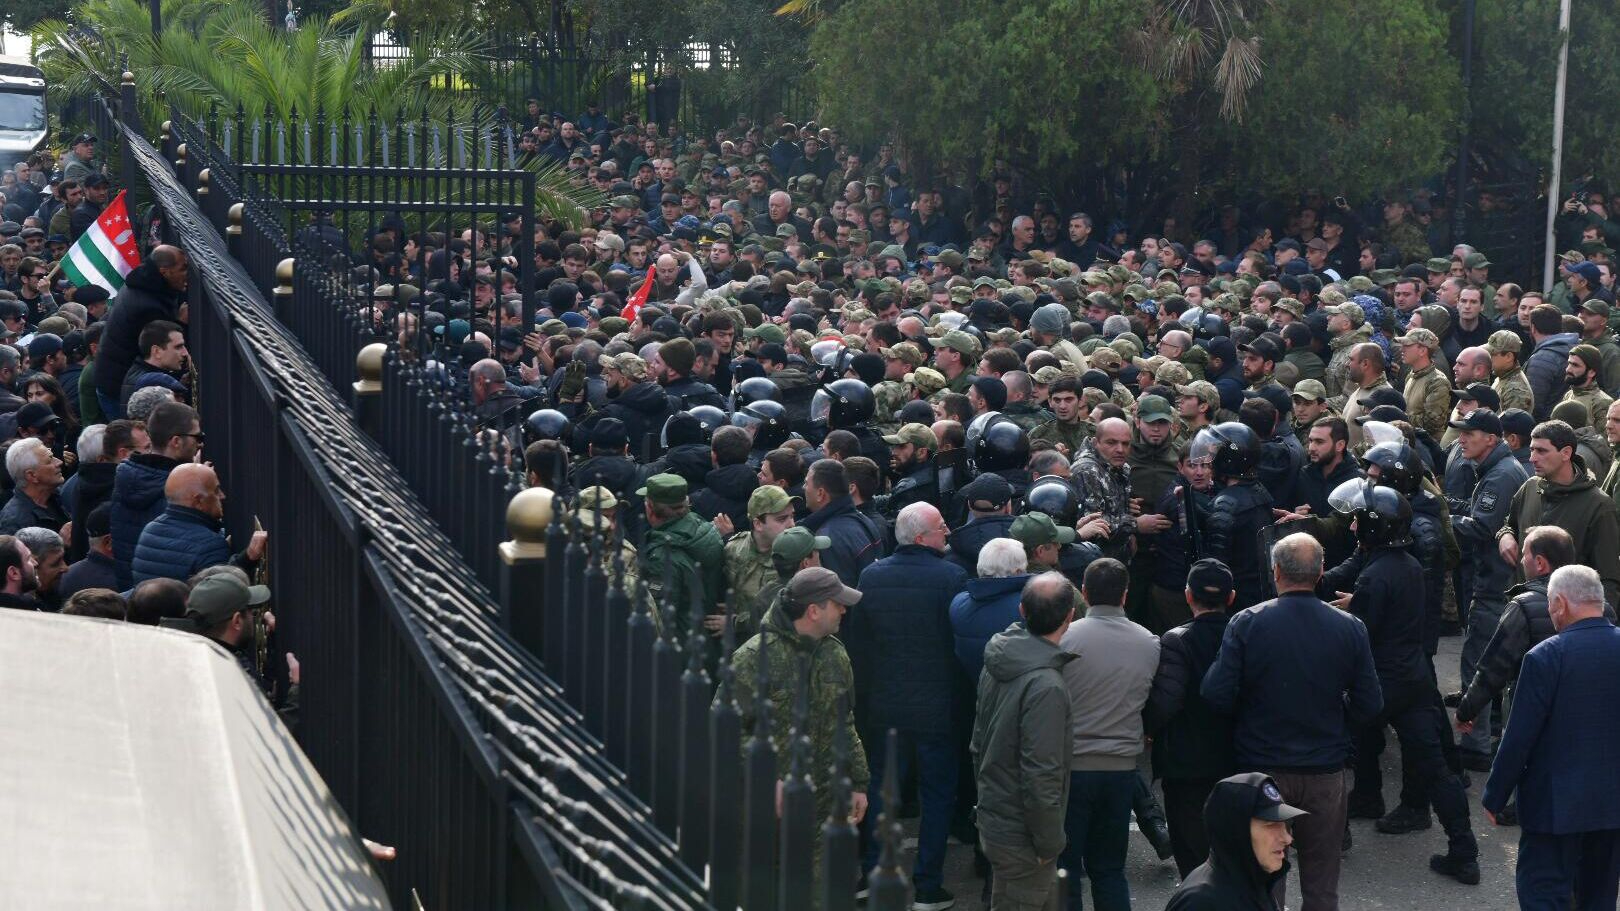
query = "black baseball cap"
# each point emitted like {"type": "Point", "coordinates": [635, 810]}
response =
{"type": "Point", "coordinates": [1480, 419]}
{"type": "Point", "coordinates": [1269, 804]}
{"type": "Point", "coordinates": [987, 492]}
{"type": "Point", "coordinates": [1518, 421]}
{"type": "Point", "coordinates": [1383, 395]}
{"type": "Point", "coordinates": [1210, 581]}
{"type": "Point", "coordinates": [1481, 393]}
{"type": "Point", "coordinates": [1385, 413]}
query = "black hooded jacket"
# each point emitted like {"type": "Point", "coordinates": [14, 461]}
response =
{"type": "Point", "coordinates": [644, 407]}
{"type": "Point", "coordinates": [145, 297]}
{"type": "Point", "coordinates": [1232, 879]}
{"type": "Point", "coordinates": [726, 490]}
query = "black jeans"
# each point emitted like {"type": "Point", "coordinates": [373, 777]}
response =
{"type": "Point", "coordinates": [1411, 709]}
{"type": "Point", "coordinates": [1184, 811]}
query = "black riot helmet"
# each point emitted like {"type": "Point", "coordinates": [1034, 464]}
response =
{"type": "Point", "coordinates": [754, 389]}
{"type": "Point", "coordinates": [710, 417]}
{"type": "Point", "coordinates": [1232, 449]}
{"type": "Point", "coordinates": [995, 443]}
{"type": "Point", "coordinates": [843, 404]}
{"type": "Point", "coordinates": [1398, 467]}
{"type": "Point", "coordinates": [1054, 496]}
{"type": "Point", "coordinates": [1382, 515]}
{"type": "Point", "coordinates": [769, 420]}
{"type": "Point", "coordinates": [548, 424]}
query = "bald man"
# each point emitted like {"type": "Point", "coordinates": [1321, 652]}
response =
{"type": "Point", "coordinates": [189, 535]}
{"type": "Point", "coordinates": [1103, 480]}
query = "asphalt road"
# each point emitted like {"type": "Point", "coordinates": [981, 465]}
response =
{"type": "Point", "coordinates": [1381, 871]}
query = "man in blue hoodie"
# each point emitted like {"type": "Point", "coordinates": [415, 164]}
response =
{"type": "Point", "coordinates": [1547, 362]}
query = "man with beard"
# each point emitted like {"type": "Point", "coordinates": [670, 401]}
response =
{"type": "Point", "coordinates": [1327, 466]}
{"type": "Point", "coordinates": [21, 576]}
{"type": "Point", "coordinates": [910, 450]}
{"type": "Point", "coordinates": [1310, 403]}
{"type": "Point", "coordinates": [1152, 460]}
{"type": "Point", "coordinates": [1583, 372]}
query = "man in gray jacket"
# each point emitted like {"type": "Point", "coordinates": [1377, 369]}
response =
{"type": "Point", "coordinates": [1108, 688]}
{"type": "Point", "coordinates": [1021, 747]}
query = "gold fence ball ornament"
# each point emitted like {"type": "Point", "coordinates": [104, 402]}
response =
{"type": "Point", "coordinates": [203, 177]}
{"type": "Point", "coordinates": [284, 277]}
{"type": "Point", "coordinates": [234, 216]}
{"type": "Point", "coordinates": [368, 365]}
{"type": "Point", "coordinates": [180, 155]}
{"type": "Point", "coordinates": [166, 129]}
{"type": "Point", "coordinates": [528, 516]}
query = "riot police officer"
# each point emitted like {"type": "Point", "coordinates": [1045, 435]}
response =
{"type": "Point", "coordinates": [1240, 509]}
{"type": "Point", "coordinates": [912, 448]}
{"type": "Point", "coordinates": [849, 405]}
{"type": "Point", "coordinates": [995, 445]}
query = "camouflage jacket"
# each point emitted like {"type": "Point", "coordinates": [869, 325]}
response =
{"type": "Point", "coordinates": [748, 573]}
{"type": "Point", "coordinates": [1428, 400]}
{"type": "Point", "coordinates": [1072, 436]}
{"type": "Point", "coordinates": [1107, 490]}
{"type": "Point", "coordinates": [1513, 389]}
{"type": "Point", "coordinates": [891, 396]}
{"type": "Point", "coordinates": [1597, 404]}
{"type": "Point", "coordinates": [1027, 415]}
{"type": "Point", "coordinates": [1337, 375]}
{"type": "Point", "coordinates": [831, 680]}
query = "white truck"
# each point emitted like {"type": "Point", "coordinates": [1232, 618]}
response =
{"type": "Point", "coordinates": [22, 109]}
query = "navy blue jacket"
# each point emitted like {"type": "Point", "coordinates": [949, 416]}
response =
{"type": "Point", "coordinates": [856, 539]}
{"type": "Point", "coordinates": [967, 541]}
{"type": "Point", "coordinates": [987, 607]}
{"type": "Point", "coordinates": [1544, 368]}
{"type": "Point", "coordinates": [900, 642]}
{"type": "Point", "coordinates": [1561, 739]}
{"type": "Point", "coordinates": [137, 499]}
{"type": "Point", "coordinates": [1298, 675]}
{"type": "Point", "coordinates": [94, 571]}
{"type": "Point", "coordinates": [178, 543]}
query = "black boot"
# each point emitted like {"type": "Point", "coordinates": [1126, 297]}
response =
{"type": "Point", "coordinates": [1461, 868]}
{"type": "Point", "coordinates": [1403, 819]}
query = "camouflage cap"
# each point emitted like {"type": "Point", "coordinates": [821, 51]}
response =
{"type": "Point", "coordinates": [1150, 365]}
{"type": "Point", "coordinates": [1119, 274]}
{"type": "Point", "coordinates": [1384, 278]}
{"type": "Point", "coordinates": [919, 435]}
{"type": "Point", "coordinates": [592, 506]}
{"type": "Point", "coordinates": [1102, 299]}
{"type": "Point", "coordinates": [1128, 348]}
{"type": "Point", "coordinates": [960, 341]}
{"type": "Point", "coordinates": [1226, 301]}
{"type": "Point", "coordinates": [905, 351]}
{"type": "Point", "coordinates": [1291, 305]}
{"type": "Point", "coordinates": [927, 380]}
{"type": "Point", "coordinates": [666, 489]}
{"type": "Point", "coordinates": [797, 543]}
{"type": "Point", "coordinates": [961, 294]}
{"type": "Point", "coordinates": [1203, 390]}
{"type": "Point", "coordinates": [1172, 373]}
{"type": "Point", "coordinates": [1438, 264]}
{"type": "Point", "coordinates": [1353, 312]}
{"type": "Point", "coordinates": [631, 365]}
{"type": "Point", "coordinates": [770, 333]}
{"type": "Point", "coordinates": [768, 501]}
{"type": "Point", "coordinates": [858, 236]}
{"type": "Point", "coordinates": [1476, 261]}
{"type": "Point", "coordinates": [916, 289]}
{"type": "Point", "coordinates": [1107, 359]}
{"type": "Point", "coordinates": [977, 254]}
{"type": "Point", "coordinates": [625, 201]}
{"type": "Point", "coordinates": [1360, 284]}
{"type": "Point", "coordinates": [1419, 336]}
{"type": "Point", "coordinates": [1006, 336]}
{"type": "Point", "coordinates": [1037, 528]}
{"type": "Point", "coordinates": [1047, 375]}
{"type": "Point", "coordinates": [1310, 390]}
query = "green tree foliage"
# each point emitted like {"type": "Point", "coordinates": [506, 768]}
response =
{"type": "Point", "coordinates": [1516, 63]}
{"type": "Point", "coordinates": [1040, 81]}
{"type": "Point", "coordinates": [20, 16]}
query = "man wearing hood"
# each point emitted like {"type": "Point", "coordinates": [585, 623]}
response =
{"type": "Point", "coordinates": [1249, 835]}
{"type": "Point", "coordinates": [1565, 494]}
{"type": "Point", "coordinates": [1021, 744]}
{"type": "Point", "coordinates": [153, 290]}
{"type": "Point", "coordinates": [1547, 363]}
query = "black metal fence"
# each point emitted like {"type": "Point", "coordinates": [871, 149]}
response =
{"type": "Point", "coordinates": [553, 746]}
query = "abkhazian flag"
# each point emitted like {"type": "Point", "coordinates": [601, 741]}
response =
{"type": "Point", "coordinates": [632, 307]}
{"type": "Point", "coordinates": [106, 251]}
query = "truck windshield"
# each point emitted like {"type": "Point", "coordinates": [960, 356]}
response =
{"type": "Point", "coordinates": [22, 111]}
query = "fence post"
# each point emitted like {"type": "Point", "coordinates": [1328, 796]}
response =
{"type": "Point", "coordinates": [523, 564]}
{"type": "Point", "coordinates": [233, 231]}
{"type": "Point", "coordinates": [281, 298]}
{"type": "Point", "coordinates": [130, 117]}
{"type": "Point", "coordinates": [368, 366]}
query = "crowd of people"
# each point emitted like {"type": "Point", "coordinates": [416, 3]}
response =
{"type": "Point", "coordinates": [1105, 525]}
{"type": "Point", "coordinates": [112, 508]}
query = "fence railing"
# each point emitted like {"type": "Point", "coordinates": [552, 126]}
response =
{"type": "Point", "coordinates": [554, 737]}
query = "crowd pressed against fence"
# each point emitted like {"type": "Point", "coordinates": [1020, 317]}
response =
{"type": "Point", "coordinates": [980, 507]}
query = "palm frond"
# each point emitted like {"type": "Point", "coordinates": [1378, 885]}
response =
{"type": "Point", "coordinates": [1236, 74]}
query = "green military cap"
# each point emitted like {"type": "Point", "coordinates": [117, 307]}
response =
{"type": "Point", "coordinates": [1047, 375]}
{"type": "Point", "coordinates": [405, 293]}
{"type": "Point", "coordinates": [771, 333]}
{"type": "Point", "coordinates": [961, 294]}
{"type": "Point", "coordinates": [768, 501]}
{"type": "Point", "coordinates": [1066, 289]}
{"type": "Point", "coordinates": [217, 599]}
{"type": "Point", "coordinates": [786, 229]}
{"type": "Point", "coordinates": [983, 281]}
{"type": "Point", "coordinates": [873, 182]}
{"type": "Point", "coordinates": [1598, 307]}
{"type": "Point", "coordinates": [667, 489]}
{"type": "Point", "coordinates": [553, 327]}
{"type": "Point", "coordinates": [1588, 355]}
{"type": "Point", "coordinates": [1360, 284]}
{"type": "Point", "coordinates": [1504, 340]}
{"type": "Point", "coordinates": [950, 258]}
{"type": "Point", "coordinates": [1419, 336]}
{"type": "Point", "coordinates": [631, 365]}
{"type": "Point", "coordinates": [1037, 528]}
{"type": "Point", "coordinates": [1151, 409]}
{"type": "Point", "coordinates": [916, 434]}
{"type": "Point", "coordinates": [1119, 273]}
{"type": "Point", "coordinates": [625, 201]}
{"type": "Point", "coordinates": [894, 250]}
{"type": "Point", "coordinates": [1136, 292]}
{"type": "Point", "coordinates": [1438, 264]}
{"type": "Point", "coordinates": [1476, 261]}
{"type": "Point", "coordinates": [1385, 277]}
{"type": "Point", "coordinates": [927, 380]}
{"type": "Point", "coordinates": [1203, 390]}
{"type": "Point", "coordinates": [592, 506]}
{"type": "Point", "coordinates": [774, 245]}
{"type": "Point", "coordinates": [613, 325]}
{"type": "Point", "coordinates": [873, 286]}
{"type": "Point", "coordinates": [797, 543]}
{"type": "Point", "coordinates": [1310, 390]}
{"type": "Point", "coordinates": [1591, 247]}
{"type": "Point", "coordinates": [1172, 373]}
{"type": "Point", "coordinates": [905, 351]}
{"type": "Point", "coordinates": [1356, 315]}
{"type": "Point", "coordinates": [957, 340]}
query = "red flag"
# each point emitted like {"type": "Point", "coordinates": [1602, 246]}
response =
{"type": "Point", "coordinates": [632, 308]}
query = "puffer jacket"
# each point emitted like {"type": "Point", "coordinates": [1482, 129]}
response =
{"type": "Point", "coordinates": [1545, 370]}
{"type": "Point", "coordinates": [137, 498]}
{"type": "Point", "coordinates": [1020, 743]}
{"type": "Point", "coordinates": [1476, 520]}
{"type": "Point", "coordinates": [726, 490]}
{"type": "Point", "coordinates": [1524, 624]}
{"type": "Point", "coordinates": [967, 541]}
{"type": "Point", "coordinates": [177, 544]}
{"type": "Point", "coordinates": [856, 539]}
{"type": "Point", "coordinates": [1190, 739]}
{"type": "Point", "coordinates": [900, 640]}
{"type": "Point", "coordinates": [145, 297]}
{"type": "Point", "coordinates": [1232, 535]}
{"type": "Point", "coordinates": [984, 608]}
